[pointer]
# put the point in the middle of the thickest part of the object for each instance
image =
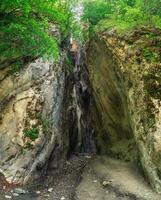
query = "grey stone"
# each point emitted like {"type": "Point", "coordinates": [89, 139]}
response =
{"type": "Point", "coordinates": [20, 191]}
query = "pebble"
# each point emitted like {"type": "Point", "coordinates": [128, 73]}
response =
{"type": "Point", "coordinates": [50, 190]}
{"type": "Point", "coordinates": [38, 192]}
{"type": "Point", "coordinates": [106, 183]}
{"type": "Point", "coordinates": [15, 194]}
{"type": "Point", "coordinates": [95, 181]}
{"type": "Point", "coordinates": [8, 197]}
{"type": "Point", "coordinates": [88, 156]}
{"type": "Point", "coordinates": [62, 198]}
{"type": "Point", "coordinates": [46, 195]}
{"type": "Point", "coordinates": [20, 191]}
{"type": "Point", "coordinates": [4, 187]}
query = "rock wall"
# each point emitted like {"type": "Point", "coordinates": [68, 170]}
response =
{"type": "Point", "coordinates": [84, 142]}
{"type": "Point", "coordinates": [46, 113]}
{"type": "Point", "coordinates": [45, 117]}
{"type": "Point", "coordinates": [32, 102]}
{"type": "Point", "coordinates": [126, 87]}
{"type": "Point", "coordinates": [114, 133]}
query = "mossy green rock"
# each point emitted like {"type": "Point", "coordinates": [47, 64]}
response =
{"type": "Point", "coordinates": [126, 89]}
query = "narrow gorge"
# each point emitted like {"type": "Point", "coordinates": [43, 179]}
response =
{"type": "Point", "coordinates": [86, 126]}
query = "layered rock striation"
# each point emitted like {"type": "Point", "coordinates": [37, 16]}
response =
{"type": "Point", "coordinates": [126, 87]}
{"type": "Point", "coordinates": [31, 108]}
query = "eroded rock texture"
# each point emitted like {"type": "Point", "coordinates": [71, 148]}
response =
{"type": "Point", "coordinates": [45, 118]}
{"type": "Point", "coordinates": [47, 114]}
{"type": "Point", "coordinates": [31, 100]}
{"type": "Point", "coordinates": [128, 99]}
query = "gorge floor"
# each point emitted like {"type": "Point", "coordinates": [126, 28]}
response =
{"type": "Point", "coordinates": [88, 178]}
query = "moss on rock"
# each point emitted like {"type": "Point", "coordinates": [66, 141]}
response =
{"type": "Point", "coordinates": [126, 87]}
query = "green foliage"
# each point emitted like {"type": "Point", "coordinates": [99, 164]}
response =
{"type": "Point", "coordinates": [45, 122]}
{"type": "Point", "coordinates": [152, 8]}
{"type": "Point", "coordinates": [150, 56]}
{"type": "Point", "coordinates": [78, 32]}
{"type": "Point", "coordinates": [32, 133]}
{"type": "Point", "coordinates": [23, 151]}
{"type": "Point", "coordinates": [69, 64]}
{"type": "Point", "coordinates": [24, 28]}
{"type": "Point", "coordinates": [96, 10]}
{"type": "Point", "coordinates": [123, 15]}
{"type": "Point", "coordinates": [15, 67]}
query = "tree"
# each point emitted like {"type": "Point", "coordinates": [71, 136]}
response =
{"type": "Point", "coordinates": [24, 28]}
{"type": "Point", "coordinates": [121, 14]}
{"type": "Point", "coordinates": [96, 10]}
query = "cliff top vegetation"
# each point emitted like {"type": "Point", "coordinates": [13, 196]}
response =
{"type": "Point", "coordinates": [121, 15]}
{"type": "Point", "coordinates": [25, 29]}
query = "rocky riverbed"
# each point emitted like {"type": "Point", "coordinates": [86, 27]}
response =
{"type": "Point", "coordinates": [88, 178]}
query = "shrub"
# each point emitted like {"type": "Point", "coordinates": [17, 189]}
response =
{"type": "Point", "coordinates": [32, 133]}
{"type": "Point", "coordinates": [123, 15]}
{"type": "Point", "coordinates": [24, 28]}
{"type": "Point", "coordinates": [96, 10]}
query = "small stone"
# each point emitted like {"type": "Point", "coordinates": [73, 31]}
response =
{"type": "Point", "coordinates": [50, 190]}
{"type": "Point", "coordinates": [95, 181]}
{"type": "Point", "coordinates": [38, 192]}
{"type": "Point", "coordinates": [67, 162]}
{"type": "Point", "coordinates": [106, 183]}
{"type": "Point", "coordinates": [4, 187]}
{"type": "Point", "coordinates": [62, 198]}
{"type": "Point", "coordinates": [88, 156]}
{"type": "Point", "coordinates": [46, 195]}
{"type": "Point", "coordinates": [20, 191]}
{"type": "Point", "coordinates": [15, 194]}
{"type": "Point", "coordinates": [8, 197]}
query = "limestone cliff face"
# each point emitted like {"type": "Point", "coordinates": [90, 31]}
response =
{"type": "Point", "coordinates": [47, 113]}
{"type": "Point", "coordinates": [126, 88]}
{"type": "Point", "coordinates": [31, 100]}
{"type": "Point", "coordinates": [44, 118]}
